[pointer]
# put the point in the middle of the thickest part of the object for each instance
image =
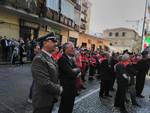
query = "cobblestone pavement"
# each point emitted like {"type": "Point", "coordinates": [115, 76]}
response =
{"type": "Point", "coordinates": [14, 88]}
{"type": "Point", "coordinates": [92, 104]}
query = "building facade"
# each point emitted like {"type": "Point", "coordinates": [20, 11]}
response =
{"type": "Point", "coordinates": [37, 17]}
{"type": "Point", "coordinates": [30, 19]}
{"type": "Point", "coordinates": [92, 42]}
{"type": "Point", "coordinates": [85, 16]}
{"type": "Point", "coordinates": [123, 38]}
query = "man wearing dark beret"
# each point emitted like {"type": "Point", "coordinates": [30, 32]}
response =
{"type": "Point", "coordinates": [45, 76]}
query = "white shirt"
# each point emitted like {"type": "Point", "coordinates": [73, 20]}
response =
{"type": "Point", "coordinates": [6, 43]}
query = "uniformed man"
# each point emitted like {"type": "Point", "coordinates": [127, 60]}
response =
{"type": "Point", "coordinates": [44, 71]}
{"type": "Point", "coordinates": [92, 69]}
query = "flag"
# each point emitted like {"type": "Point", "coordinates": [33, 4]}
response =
{"type": "Point", "coordinates": [146, 41]}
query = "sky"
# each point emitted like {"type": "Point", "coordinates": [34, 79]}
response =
{"type": "Point", "coordinates": [106, 14]}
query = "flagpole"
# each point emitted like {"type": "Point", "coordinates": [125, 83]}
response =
{"type": "Point", "coordinates": [142, 48]}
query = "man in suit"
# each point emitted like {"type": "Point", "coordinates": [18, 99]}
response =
{"type": "Point", "coordinates": [105, 77]}
{"type": "Point", "coordinates": [68, 73]}
{"type": "Point", "coordinates": [4, 44]}
{"type": "Point", "coordinates": [45, 75]}
{"type": "Point", "coordinates": [142, 68]}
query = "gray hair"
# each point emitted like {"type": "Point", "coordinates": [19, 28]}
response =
{"type": "Point", "coordinates": [66, 45]}
{"type": "Point", "coordinates": [125, 57]}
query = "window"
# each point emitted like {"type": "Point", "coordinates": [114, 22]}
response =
{"type": "Point", "coordinates": [117, 34]}
{"type": "Point", "coordinates": [123, 34]}
{"type": "Point", "coordinates": [93, 47]}
{"type": "Point", "coordinates": [67, 9]}
{"type": "Point", "coordinates": [73, 40]}
{"type": "Point", "coordinates": [53, 4]}
{"type": "Point", "coordinates": [77, 18]}
{"type": "Point", "coordinates": [84, 45]}
{"type": "Point", "coordinates": [110, 34]}
{"type": "Point", "coordinates": [59, 39]}
{"type": "Point", "coordinates": [79, 2]}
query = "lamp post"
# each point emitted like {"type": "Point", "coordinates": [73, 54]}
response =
{"type": "Point", "coordinates": [144, 25]}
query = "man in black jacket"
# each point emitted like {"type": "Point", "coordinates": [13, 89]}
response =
{"type": "Point", "coordinates": [142, 68]}
{"type": "Point", "coordinates": [68, 73]}
{"type": "Point", "coordinates": [112, 61]}
{"type": "Point", "coordinates": [105, 77]}
{"type": "Point", "coordinates": [122, 83]}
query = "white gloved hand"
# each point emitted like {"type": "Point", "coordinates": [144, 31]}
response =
{"type": "Point", "coordinates": [79, 75]}
{"type": "Point", "coordinates": [125, 76]}
{"type": "Point", "coordinates": [61, 90]}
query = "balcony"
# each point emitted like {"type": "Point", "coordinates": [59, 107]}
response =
{"type": "Point", "coordinates": [53, 15]}
{"type": "Point", "coordinates": [76, 27]}
{"type": "Point", "coordinates": [78, 7]}
{"type": "Point", "coordinates": [85, 4]}
{"type": "Point", "coordinates": [83, 26]}
{"type": "Point", "coordinates": [74, 1]}
{"type": "Point", "coordinates": [83, 20]}
{"type": "Point", "coordinates": [84, 12]}
{"type": "Point", "coordinates": [67, 21]}
{"type": "Point", "coordinates": [28, 6]}
{"type": "Point", "coordinates": [39, 9]}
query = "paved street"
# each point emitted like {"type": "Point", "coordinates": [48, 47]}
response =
{"type": "Point", "coordinates": [14, 88]}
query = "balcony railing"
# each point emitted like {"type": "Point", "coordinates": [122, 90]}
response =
{"type": "Point", "coordinates": [32, 6]}
{"type": "Point", "coordinates": [67, 21]}
{"type": "Point", "coordinates": [29, 6]}
{"type": "Point", "coordinates": [78, 7]}
{"type": "Point", "coordinates": [85, 4]}
{"type": "Point", "coordinates": [84, 12]}
{"type": "Point", "coordinates": [51, 14]}
{"type": "Point", "coordinates": [76, 27]}
{"type": "Point", "coordinates": [83, 26]}
{"type": "Point", "coordinates": [74, 1]}
{"type": "Point", "coordinates": [83, 20]}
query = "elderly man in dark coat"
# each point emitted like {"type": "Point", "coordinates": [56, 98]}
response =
{"type": "Point", "coordinates": [68, 73]}
{"type": "Point", "coordinates": [142, 68]}
{"type": "Point", "coordinates": [105, 77]}
{"type": "Point", "coordinates": [45, 75]}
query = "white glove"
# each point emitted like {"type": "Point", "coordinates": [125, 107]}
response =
{"type": "Point", "coordinates": [79, 75]}
{"type": "Point", "coordinates": [61, 90]}
{"type": "Point", "coordinates": [125, 76]}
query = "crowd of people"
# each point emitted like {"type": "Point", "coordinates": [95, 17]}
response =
{"type": "Point", "coordinates": [63, 71]}
{"type": "Point", "coordinates": [16, 51]}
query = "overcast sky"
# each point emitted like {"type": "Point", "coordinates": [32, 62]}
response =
{"type": "Point", "coordinates": [114, 13]}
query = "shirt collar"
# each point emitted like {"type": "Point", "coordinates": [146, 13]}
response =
{"type": "Point", "coordinates": [50, 55]}
{"type": "Point", "coordinates": [69, 57]}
